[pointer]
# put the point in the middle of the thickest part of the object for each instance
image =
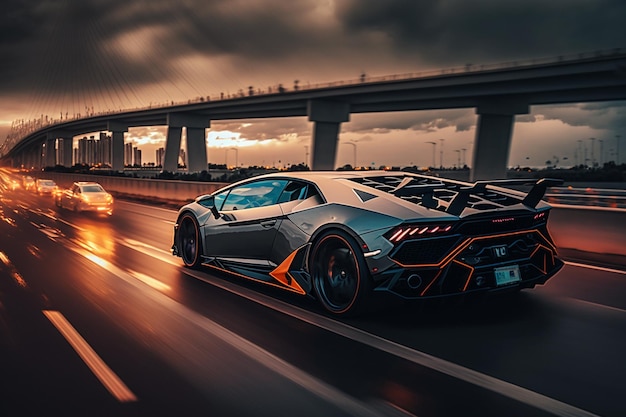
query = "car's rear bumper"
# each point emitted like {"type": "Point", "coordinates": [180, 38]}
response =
{"type": "Point", "coordinates": [492, 263]}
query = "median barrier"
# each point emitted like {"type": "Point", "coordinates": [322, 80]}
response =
{"type": "Point", "coordinates": [169, 191]}
{"type": "Point", "coordinates": [584, 231]}
{"type": "Point", "coordinates": [590, 233]}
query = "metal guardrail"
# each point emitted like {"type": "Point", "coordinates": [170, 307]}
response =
{"type": "Point", "coordinates": [597, 197]}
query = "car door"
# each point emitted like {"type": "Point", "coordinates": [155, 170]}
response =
{"type": "Point", "coordinates": [248, 222]}
{"type": "Point", "coordinates": [69, 197]}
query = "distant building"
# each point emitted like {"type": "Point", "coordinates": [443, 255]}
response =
{"type": "Point", "coordinates": [128, 154]}
{"type": "Point", "coordinates": [136, 157]}
{"type": "Point", "coordinates": [160, 155]}
{"type": "Point", "coordinates": [60, 155]}
{"type": "Point", "coordinates": [92, 151]}
{"type": "Point", "coordinates": [86, 151]}
{"type": "Point", "coordinates": [105, 150]}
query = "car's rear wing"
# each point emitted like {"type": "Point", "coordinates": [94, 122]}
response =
{"type": "Point", "coordinates": [533, 197]}
{"type": "Point", "coordinates": [408, 187]}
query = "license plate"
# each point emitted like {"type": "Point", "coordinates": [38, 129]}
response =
{"type": "Point", "coordinates": [507, 275]}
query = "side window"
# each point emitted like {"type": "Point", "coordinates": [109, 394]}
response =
{"type": "Point", "coordinates": [219, 199]}
{"type": "Point", "coordinates": [295, 190]}
{"type": "Point", "coordinates": [254, 194]}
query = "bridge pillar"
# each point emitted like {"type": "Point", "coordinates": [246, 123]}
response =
{"type": "Point", "coordinates": [327, 116]}
{"type": "Point", "coordinates": [117, 144]}
{"type": "Point", "coordinates": [493, 138]}
{"type": "Point", "coordinates": [68, 151]}
{"type": "Point", "coordinates": [196, 141]}
{"type": "Point", "coordinates": [49, 152]}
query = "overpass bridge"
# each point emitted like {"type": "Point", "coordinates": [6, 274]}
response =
{"type": "Point", "coordinates": [498, 93]}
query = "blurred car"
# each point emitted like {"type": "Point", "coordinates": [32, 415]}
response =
{"type": "Point", "coordinates": [29, 183]}
{"type": "Point", "coordinates": [343, 237]}
{"type": "Point", "coordinates": [43, 186]}
{"type": "Point", "coordinates": [14, 185]}
{"type": "Point", "coordinates": [85, 196]}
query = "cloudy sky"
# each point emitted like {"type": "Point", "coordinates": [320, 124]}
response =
{"type": "Point", "coordinates": [63, 58]}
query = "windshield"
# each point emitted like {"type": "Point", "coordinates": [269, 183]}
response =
{"type": "Point", "coordinates": [93, 189]}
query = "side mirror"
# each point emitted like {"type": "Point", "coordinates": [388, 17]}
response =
{"type": "Point", "coordinates": [208, 201]}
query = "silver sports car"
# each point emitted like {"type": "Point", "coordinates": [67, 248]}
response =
{"type": "Point", "coordinates": [342, 237]}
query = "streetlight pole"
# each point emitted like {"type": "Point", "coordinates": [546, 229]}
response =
{"type": "Point", "coordinates": [306, 155]}
{"type": "Point", "coordinates": [601, 160]}
{"type": "Point", "coordinates": [434, 150]}
{"type": "Point", "coordinates": [593, 158]}
{"type": "Point", "coordinates": [458, 158]}
{"type": "Point", "coordinates": [236, 157]}
{"type": "Point", "coordinates": [354, 145]}
{"type": "Point", "coordinates": [441, 154]}
{"type": "Point", "coordinates": [617, 149]}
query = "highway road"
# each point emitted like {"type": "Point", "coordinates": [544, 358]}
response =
{"type": "Point", "coordinates": [97, 318]}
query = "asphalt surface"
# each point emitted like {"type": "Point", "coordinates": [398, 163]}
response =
{"type": "Point", "coordinates": [98, 318]}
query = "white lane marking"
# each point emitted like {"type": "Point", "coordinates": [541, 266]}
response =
{"type": "Point", "coordinates": [149, 250]}
{"type": "Point", "coordinates": [154, 283]}
{"type": "Point", "coordinates": [325, 391]}
{"type": "Point", "coordinates": [504, 388]}
{"type": "Point", "coordinates": [507, 389]}
{"type": "Point", "coordinates": [107, 377]}
{"type": "Point", "coordinates": [75, 226]}
{"type": "Point", "coordinates": [597, 268]}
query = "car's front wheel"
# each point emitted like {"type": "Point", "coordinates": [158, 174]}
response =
{"type": "Point", "coordinates": [190, 245]}
{"type": "Point", "coordinates": [340, 276]}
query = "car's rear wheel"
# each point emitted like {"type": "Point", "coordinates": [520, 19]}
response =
{"type": "Point", "coordinates": [340, 276]}
{"type": "Point", "coordinates": [189, 241]}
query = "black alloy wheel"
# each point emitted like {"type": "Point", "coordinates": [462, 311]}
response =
{"type": "Point", "coordinates": [340, 277]}
{"type": "Point", "coordinates": [189, 242]}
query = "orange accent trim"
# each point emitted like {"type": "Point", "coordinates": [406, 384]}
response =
{"type": "Point", "coordinates": [252, 279]}
{"type": "Point", "coordinates": [461, 247]}
{"type": "Point", "coordinates": [281, 274]}
{"type": "Point", "coordinates": [545, 258]}
{"type": "Point", "coordinates": [553, 248]}
{"type": "Point", "coordinates": [431, 283]}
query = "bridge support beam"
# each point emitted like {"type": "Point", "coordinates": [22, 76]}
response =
{"type": "Point", "coordinates": [196, 141]}
{"type": "Point", "coordinates": [327, 116]}
{"type": "Point", "coordinates": [117, 144]}
{"type": "Point", "coordinates": [49, 152]}
{"type": "Point", "coordinates": [493, 138]}
{"type": "Point", "coordinates": [68, 151]}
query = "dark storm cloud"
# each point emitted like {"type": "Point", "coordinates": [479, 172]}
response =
{"type": "Point", "coordinates": [452, 32]}
{"type": "Point", "coordinates": [62, 44]}
{"type": "Point", "coordinates": [65, 44]}
{"type": "Point", "coordinates": [610, 115]}
{"type": "Point", "coordinates": [110, 49]}
{"type": "Point", "coordinates": [424, 121]}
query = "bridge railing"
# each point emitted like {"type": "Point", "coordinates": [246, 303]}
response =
{"type": "Point", "coordinates": [22, 129]}
{"type": "Point", "coordinates": [597, 197]}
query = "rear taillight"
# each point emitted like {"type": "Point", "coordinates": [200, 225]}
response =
{"type": "Point", "coordinates": [417, 231]}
